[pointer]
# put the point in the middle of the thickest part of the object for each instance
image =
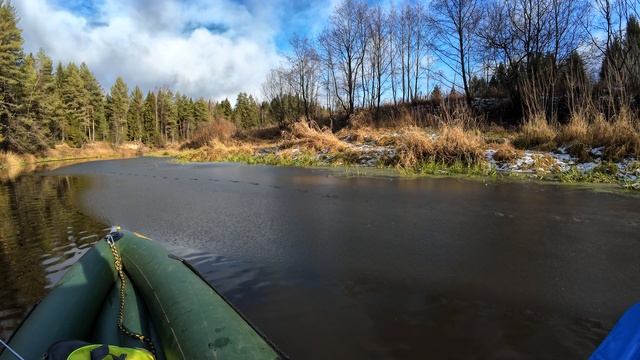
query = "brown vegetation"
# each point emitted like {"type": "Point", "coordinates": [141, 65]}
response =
{"type": "Point", "coordinates": [12, 164]}
{"type": "Point", "coordinates": [9, 160]}
{"type": "Point", "coordinates": [218, 130]}
{"type": "Point", "coordinates": [302, 135]}
{"type": "Point", "coordinates": [98, 149]}
{"type": "Point", "coordinates": [505, 152]}
{"type": "Point", "coordinates": [450, 145]}
{"type": "Point", "coordinates": [535, 133]}
{"type": "Point", "coordinates": [586, 129]}
{"type": "Point", "coordinates": [217, 150]}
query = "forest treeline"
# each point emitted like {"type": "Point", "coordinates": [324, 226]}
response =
{"type": "Point", "coordinates": [42, 104]}
{"type": "Point", "coordinates": [537, 56]}
{"type": "Point", "coordinates": [541, 58]}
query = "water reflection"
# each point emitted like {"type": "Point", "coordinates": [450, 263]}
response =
{"type": "Point", "coordinates": [41, 235]}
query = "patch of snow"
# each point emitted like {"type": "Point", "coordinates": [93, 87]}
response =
{"type": "Point", "coordinates": [587, 167]}
{"type": "Point", "coordinates": [598, 152]}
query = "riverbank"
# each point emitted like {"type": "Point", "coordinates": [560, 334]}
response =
{"type": "Point", "coordinates": [13, 165]}
{"type": "Point", "coordinates": [549, 154]}
{"type": "Point", "coordinates": [581, 151]}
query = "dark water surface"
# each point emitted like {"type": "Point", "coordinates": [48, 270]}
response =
{"type": "Point", "coordinates": [330, 266]}
{"type": "Point", "coordinates": [42, 233]}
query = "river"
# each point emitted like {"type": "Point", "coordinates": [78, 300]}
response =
{"type": "Point", "coordinates": [335, 266]}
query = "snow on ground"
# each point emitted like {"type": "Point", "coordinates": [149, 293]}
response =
{"type": "Point", "coordinates": [369, 153]}
{"type": "Point", "coordinates": [538, 162]}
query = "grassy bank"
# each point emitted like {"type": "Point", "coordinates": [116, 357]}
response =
{"type": "Point", "coordinates": [12, 164]}
{"type": "Point", "coordinates": [584, 150]}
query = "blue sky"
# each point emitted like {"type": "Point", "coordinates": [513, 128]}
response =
{"type": "Point", "coordinates": [209, 48]}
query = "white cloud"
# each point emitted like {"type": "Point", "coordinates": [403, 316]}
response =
{"type": "Point", "coordinates": [161, 42]}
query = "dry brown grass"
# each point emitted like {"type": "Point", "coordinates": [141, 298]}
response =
{"type": "Point", "coordinates": [620, 136]}
{"type": "Point", "coordinates": [216, 150]}
{"type": "Point", "coordinates": [220, 130]}
{"type": "Point", "coordinates": [453, 144]}
{"type": "Point", "coordinates": [98, 149]}
{"type": "Point", "coordinates": [382, 137]}
{"type": "Point", "coordinates": [458, 144]}
{"type": "Point", "coordinates": [505, 152]}
{"type": "Point", "coordinates": [535, 133]}
{"type": "Point", "coordinates": [389, 116]}
{"type": "Point", "coordinates": [455, 138]}
{"type": "Point", "coordinates": [302, 135]}
{"type": "Point", "coordinates": [269, 133]}
{"type": "Point", "coordinates": [361, 119]}
{"type": "Point", "coordinates": [12, 164]}
{"type": "Point", "coordinates": [9, 160]}
{"type": "Point", "coordinates": [414, 147]}
{"type": "Point", "coordinates": [576, 130]}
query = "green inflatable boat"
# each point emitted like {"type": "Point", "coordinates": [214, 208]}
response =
{"type": "Point", "coordinates": [164, 307]}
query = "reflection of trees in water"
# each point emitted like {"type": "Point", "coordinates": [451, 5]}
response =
{"type": "Point", "coordinates": [40, 232]}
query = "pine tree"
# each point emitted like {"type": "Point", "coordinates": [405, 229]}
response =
{"type": "Point", "coordinates": [200, 111]}
{"type": "Point", "coordinates": [224, 109]}
{"type": "Point", "coordinates": [246, 111]}
{"type": "Point", "coordinates": [74, 99]}
{"type": "Point", "coordinates": [135, 116]}
{"type": "Point", "coordinates": [29, 104]}
{"type": "Point", "coordinates": [47, 94]}
{"type": "Point", "coordinates": [184, 108]}
{"type": "Point", "coordinates": [58, 125]}
{"type": "Point", "coordinates": [150, 133]}
{"type": "Point", "coordinates": [167, 115]}
{"type": "Point", "coordinates": [118, 107]}
{"type": "Point", "coordinates": [28, 131]}
{"type": "Point", "coordinates": [11, 60]}
{"type": "Point", "coordinates": [93, 104]}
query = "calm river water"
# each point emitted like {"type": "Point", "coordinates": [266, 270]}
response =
{"type": "Point", "coordinates": [330, 266]}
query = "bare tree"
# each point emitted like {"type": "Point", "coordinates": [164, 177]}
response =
{"type": "Point", "coordinates": [394, 50]}
{"type": "Point", "coordinates": [456, 22]}
{"type": "Point", "coordinates": [607, 32]}
{"type": "Point", "coordinates": [379, 59]}
{"type": "Point", "coordinates": [343, 45]}
{"type": "Point", "coordinates": [276, 88]}
{"type": "Point", "coordinates": [531, 38]}
{"type": "Point", "coordinates": [304, 62]}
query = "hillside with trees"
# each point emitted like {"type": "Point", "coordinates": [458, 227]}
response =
{"type": "Point", "coordinates": [545, 57]}
{"type": "Point", "coordinates": [451, 81]}
{"type": "Point", "coordinates": [42, 104]}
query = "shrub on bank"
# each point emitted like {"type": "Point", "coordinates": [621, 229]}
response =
{"type": "Point", "coordinates": [505, 152]}
{"type": "Point", "coordinates": [619, 136]}
{"type": "Point", "coordinates": [301, 134]}
{"type": "Point", "coordinates": [452, 144]}
{"type": "Point", "coordinates": [9, 160]}
{"type": "Point", "coordinates": [217, 130]}
{"type": "Point", "coordinates": [535, 133]}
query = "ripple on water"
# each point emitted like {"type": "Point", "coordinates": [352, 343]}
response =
{"type": "Point", "coordinates": [41, 235]}
{"type": "Point", "coordinates": [236, 280]}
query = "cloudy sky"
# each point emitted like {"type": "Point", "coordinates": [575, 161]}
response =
{"type": "Point", "coordinates": [209, 48]}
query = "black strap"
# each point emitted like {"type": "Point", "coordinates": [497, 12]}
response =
{"type": "Point", "coordinates": [101, 352]}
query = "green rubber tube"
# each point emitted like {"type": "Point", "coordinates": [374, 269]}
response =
{"type": "Point", "coordinates": [135, 319]}
{"type": "Point", "coordinates": [192, 320]}
{"type": "Point", "coordinates": [69, 311]}
{"type": "Point", "coordinates": [164, 298]}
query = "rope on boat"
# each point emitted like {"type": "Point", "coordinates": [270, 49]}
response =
{"type": "Point", "coordinates": [118, 265]}
{"type": "Point", "coordinates": [6, 346]}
